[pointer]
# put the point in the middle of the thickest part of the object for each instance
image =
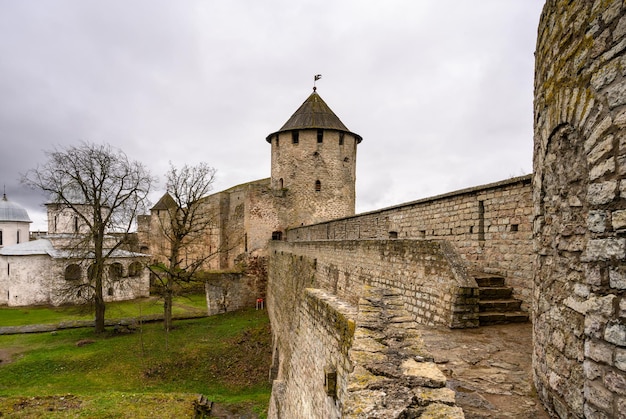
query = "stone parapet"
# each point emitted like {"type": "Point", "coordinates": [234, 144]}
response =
{"type": "Point", "coordinates": [347, 361]}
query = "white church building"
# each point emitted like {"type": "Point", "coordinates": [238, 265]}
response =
{"type": "Point", "coordinates": [47, 272]}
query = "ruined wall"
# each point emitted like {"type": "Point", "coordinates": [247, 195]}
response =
{"type": "Point", "coordinates": [230, 292]}
{"type": "Point", "coordinates": [490, 226]}
{"type": "Point", "coordinates": [343, 313]}
{"type": "Point", "coordinates": [579, 196]}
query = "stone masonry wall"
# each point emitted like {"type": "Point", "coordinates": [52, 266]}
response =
{"type": "Point", "coordinates": [348, 307]}
{"type": "Point", "coordinates": [334, 359]}
{"type": "Point", "coordinates": [579, 196]}
{"type": "Point", "coordinates": [230, 292]}
{"type": "Point", "coordinates": [429, 275]}
{"type": "Point", "coordinates": [490, 226]}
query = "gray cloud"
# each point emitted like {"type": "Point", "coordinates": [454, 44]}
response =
{"type": "Point", "coordinates": [441, 91]}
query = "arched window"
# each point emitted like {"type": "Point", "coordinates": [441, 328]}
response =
{"type": "Point", "coordinates": [318, 186]}
{"type": "Point", "coordinates": [280, 185]}
{"type": "Point", "coordinates": [115, 271]}
{"type": "Point", "coordinates": [91, 272]}
{"type": "Point", "coordinates": [73, 272]}
{"type": "Point", "coordinates": [134, 269]}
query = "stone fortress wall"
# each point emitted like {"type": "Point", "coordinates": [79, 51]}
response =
{"type": "Point", "coordinates": [579, 195]}
{"type": "Point", "coordinates": [490, 226]}
{"type": "Point", "coordinates": [416, 257]}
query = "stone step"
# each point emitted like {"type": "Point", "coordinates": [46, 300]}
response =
{"type": "Point", "coordinates": [495, 293]}
{"type": "Point", "coordinates": [494, 317]}
{"type": "Point", "coordinates": [504, 305]}
{"type": "Point", "coordinates": [489, 280]}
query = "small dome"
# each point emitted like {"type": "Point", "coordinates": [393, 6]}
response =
{"type": "Point", "coordinates": [10, 211]}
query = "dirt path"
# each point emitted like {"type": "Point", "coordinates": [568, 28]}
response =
{"type": "Point", "coordinates": [489, 368]}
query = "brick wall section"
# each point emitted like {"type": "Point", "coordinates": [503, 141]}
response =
{"type": "Point", "coordinates": [490, 226]}
{"type": "Point", "coordinates": [579, 187]}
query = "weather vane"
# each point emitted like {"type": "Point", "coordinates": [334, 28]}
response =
{"type": "Point", "coordinates": [316, 78]}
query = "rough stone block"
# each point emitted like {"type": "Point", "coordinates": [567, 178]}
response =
{"type": "Point", "coordinates": [592, 370]}
{"type": "Point", "coordinates": [601, 193]}
{"type": "Point", "coordinates": [604, 249]}
{"type": "Point", "coordinates": [619, 219]}
{"type": "Point", "coordinates": [615, 332]}
{"type": "Point", "coordinates": [599, 351]}
{"type": "Point", "coordinates": [620, 358]}
{"type": "Point", "coordinates": [439, 410]}
{"type": "Point", "coordinates": [596, 221]}
{"type": "Point", "coordinates": [599, 396]}
{"type": "Point", "coordinates": [615, 382]}
{"type": "Point", "coordinates": [617, 278]}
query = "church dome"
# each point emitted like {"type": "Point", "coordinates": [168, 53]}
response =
{"type": "Point", "coordinates": [10, 211]}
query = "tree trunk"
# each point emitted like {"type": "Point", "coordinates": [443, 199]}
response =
{"type": "Point", "coordinates": [99, 306]}
{"type": "Point", "coordinates": [167, 309]}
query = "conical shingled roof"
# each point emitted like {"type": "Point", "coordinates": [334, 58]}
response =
{"type": "Point", "coordinates": [314, 113]}
{"type": "Point", "coordinates": [165, 203]}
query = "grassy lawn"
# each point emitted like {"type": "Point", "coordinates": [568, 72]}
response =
{"type": "Point", "coordinates": [74, 373]}
{"type": "Point", "coordinates": [17, 316]}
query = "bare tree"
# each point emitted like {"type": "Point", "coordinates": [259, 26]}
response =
{"type": "Point", "coordinates": [105, 191]}
{"type": "Point", "coordinates": [185, 227]}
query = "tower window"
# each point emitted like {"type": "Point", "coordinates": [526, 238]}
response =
{"type": "Point", "coordinates": [18, 236]}
{"type": "Point", "coordinates": [277, 235]}
{"type": "Point", "coordinates": [341, 134]}
{"type": "Point", "coordinates": [320, 135]}
{"type": "Point", "coordinates": [295, 139]}
{"type": "Point", "coordinates": [75, 224]}
{"type": "Point", "coordinates": [277, 140]}
{"type": "Point", "coordinates": [318, 186]}
{"type": "Point", "coordinates": [0, 237]}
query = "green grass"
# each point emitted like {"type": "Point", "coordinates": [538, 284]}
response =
{"type": "Point", "coordinates": [17, 316]}
{"type": "Point", "coordinates": [224, 357]}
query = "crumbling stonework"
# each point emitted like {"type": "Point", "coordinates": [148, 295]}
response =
{"type": "Point", "coordinates": [579, 197]}
{"type": "Point", "coordinates": [359, 361]}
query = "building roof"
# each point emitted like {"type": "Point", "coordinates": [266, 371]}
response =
{"type": "Point", "coordinates": [165, 203]}
{"type": "Point", "coordinates": [35, 247]}
{"type": "Point", "coordinates": [314, 113]}
{"type": "Point", "coordinates": [10, 211]}
{"type": "Point", "coordinates": [46, 247]}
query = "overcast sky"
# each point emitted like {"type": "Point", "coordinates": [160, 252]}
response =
{"type": "Point", "coordinates": [440, 90]}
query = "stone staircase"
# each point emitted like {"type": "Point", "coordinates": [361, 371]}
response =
{"type": "Point", "coordinates": [496, 306]}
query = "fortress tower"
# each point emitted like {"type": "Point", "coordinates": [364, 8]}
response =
{"type": "Point", "coordinates": [313, 165]}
